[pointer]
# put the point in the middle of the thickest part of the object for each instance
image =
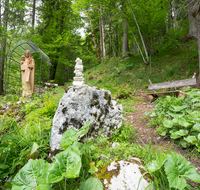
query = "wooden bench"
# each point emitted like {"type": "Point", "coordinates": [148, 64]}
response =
{"type": "Point", "coordinates": [174, 84]}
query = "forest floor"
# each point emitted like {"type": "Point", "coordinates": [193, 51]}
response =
{"type": "Point", "coordinates": [145, 133]}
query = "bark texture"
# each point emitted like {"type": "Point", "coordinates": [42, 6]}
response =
{"type": "Point", "coordinates": [3, 45]}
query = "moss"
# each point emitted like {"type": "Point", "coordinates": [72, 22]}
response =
{"type": "Point", "coordinates": [65, 127]}
{"type": "Point", "coordinates": [105, 174]}
{"type": "Point", "coordinates": [107, 97]}
{"type": "Point", "coordinates": [67, 90]}
{"type": "Point", "coordinates": [100, 116]}
{"type": "Point", "coordinates": [64, 110]}
{"type": "Point", "coordinates": [96, 102]}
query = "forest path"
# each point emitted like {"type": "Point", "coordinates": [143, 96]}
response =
{"type": "Point", "coordinates": [145, 133]}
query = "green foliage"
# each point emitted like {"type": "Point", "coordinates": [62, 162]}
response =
{"type": "Point", "coordinates": [67, 164]}
{"type": "Point", "coordinates": [174, 169]}
{"type": "Point", "coordinates": [126, 133]}
{"type": "Point", "coordinates": [91, 184]}
{"type": "Point", "coordinates": [179, 118]}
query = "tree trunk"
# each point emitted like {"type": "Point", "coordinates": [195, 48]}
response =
{"type": "Point", "coordinates": [170, 15]}
{"type": "Point", "coordinates": [125, 45]}
{"type": "Point", "coordinates": [145, 49]}
{"type": "Point", "coordinates": [196, 14]}
{"type": "Point", "coordinates": [94, 40]}
{"type": "Point", "coordinates": [175, 18]}
{"type": "Point", "coordinates": [3, 45]}
{"type": "Point", "coordinates": [33, 15]}
{"type": "Point", "coordinates": [117, 41]}
{"type": "Point", "coordinates": [53, 68]}
{"type": "Point", "coordinates": [101, 41]}
{"type": "Point", "coordinates": [192, 29]}
{"type": "Point", "coordinates": [103, 36]}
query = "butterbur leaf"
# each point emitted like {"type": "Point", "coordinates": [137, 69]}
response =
{"type": "Point", "coordinates": [34, 148]}
{"type": "Point", "coordinates": [157, 164]}
{"type": "Point", "coordinates": [68, 138]}
{"type": "Point", "coordinates": [179, 133]}
{"type": "Point", "coordinates": [197, 127]}
{"type": "Point", "coordinates": [191, 139]}
{"type": "Point", "coordinates": [67, 164]}
{"type": "Point", "coordinates": [71, 135]}
{"type": "Point", "coordinates": [183, 143]}
{"type": "Point", "coordinates": [83, 130]}
{"type": "Point", "coordinates": [164, 133]}
{"type": "Point", "coordinates": [91, 184]}
{"type": "Point", "coordinates": [178, 108]}
{"type": "Point", "coordinates": [32, 175]}
{"type": "Point", "coordinates": [168, 123]}
{"type": "Point", "coordinates": [184, 123]}
{"type": "Point", "coordinates": [177, 168]}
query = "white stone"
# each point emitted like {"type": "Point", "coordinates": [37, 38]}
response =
{"type": "Point", "coordinates": [78, 79]}
{"type": "Point", "coordinates": [115, 144]}
{"type": "Point", "coordinates": [78, 106]}
{"type": "Point", "coordinates": [128, 178]}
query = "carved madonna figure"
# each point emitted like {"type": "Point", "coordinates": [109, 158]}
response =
{"type": "Point", "coordinates": [28, 73]}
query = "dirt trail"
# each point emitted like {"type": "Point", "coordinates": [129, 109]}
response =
{"type": "Point", "coordinates": [146, 133]}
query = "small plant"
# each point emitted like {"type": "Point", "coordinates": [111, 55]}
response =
{"type": "Point", "coordinates": [125, 133]}
{"type": "Point", "coordinates": [171, 171]}
{"type": "Point", "coordinates": [179, 118]}
{"type": "Point", "coordinates": [40, 174]}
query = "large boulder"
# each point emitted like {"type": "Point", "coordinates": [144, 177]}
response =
{"type": "Point", "coordinates": [78, 106]}
{"type": "Point", "coordinates": [124, 175]}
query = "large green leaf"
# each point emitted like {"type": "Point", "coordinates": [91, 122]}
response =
{"type": "Point", "coordinates": [184, 123]}
{"type": "Point", "coordinates": [91, 184]}
{"type": "Point", "coordinates": [196, 127]}
{"type": "Point", "coordinates": [71, 135]}
{"type": "Point", "coordinates": [157, 164]}
{"type": "Point", "coordinates": [67, 164]}
{"type": "Point", "coordinates": [168, 123]}
{"type": "Point", "coordinates": [191, 139]}
{"type": "Point", "coordinates": [177, 168]}
{"type": "Point", "coordinates": [179, 133]}
{"type": "Point", "coordinates": [178, 108]}
{"type": "Point", "coordinates": [32, 175]}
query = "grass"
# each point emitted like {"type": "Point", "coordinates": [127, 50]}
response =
{"type": "Point", "coordinates": [125, 86]}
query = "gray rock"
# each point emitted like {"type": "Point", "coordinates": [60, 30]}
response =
{"type": "Point", "coordinates": [115, 144]}
{"type": "Point", "coordinates": [78, 106]}
{"type": "Point", "coordinates": [125, 175]}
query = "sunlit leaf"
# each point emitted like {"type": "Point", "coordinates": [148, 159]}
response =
{"type": "Point", "coordinates": [32, 175]}
{"type": "Point", "coordinates": [67, 164]}
{"type": "Point", "coordinates": [156, 164]}
{"type": "Point", "coordinates": [177, 169]}
{"type": "Point", "coordinates": [196, 127]}
{"type": "Point", "coordinates": [91, 184]}
{"type": "Point", "coordinates": [34, 147]}
{"type": "Point", "coordinates": [191, 139]}
{"type": "Point", "coordinates": [168, 123]}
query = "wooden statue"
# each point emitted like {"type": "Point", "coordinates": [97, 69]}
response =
{"type": "Point", "coordinates": [28, 73]}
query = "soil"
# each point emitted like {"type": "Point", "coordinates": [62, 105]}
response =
{"type": "Point", "coordinates": [145, 133]}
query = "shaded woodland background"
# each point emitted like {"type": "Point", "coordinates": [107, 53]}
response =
{"type": "Point", "coordinates": [113, 28]}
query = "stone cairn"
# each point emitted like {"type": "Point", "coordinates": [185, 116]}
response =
{"type": "Point", "coordinates": [78, 79]}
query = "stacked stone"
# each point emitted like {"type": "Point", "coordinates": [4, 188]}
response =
{"type": "Point", "coordinates": [78, 79]}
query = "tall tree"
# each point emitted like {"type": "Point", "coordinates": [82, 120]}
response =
{"type": "Point", "coordinates": [196, 15]}
{"type": "Point", "coordinates": [33, 13]}
{"type": "Point", "coordinates": [125, 45]}
{"type": "Point", "coordinates": [192, 28]}
{"type": "Point", "coordinates": [3, 44]}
